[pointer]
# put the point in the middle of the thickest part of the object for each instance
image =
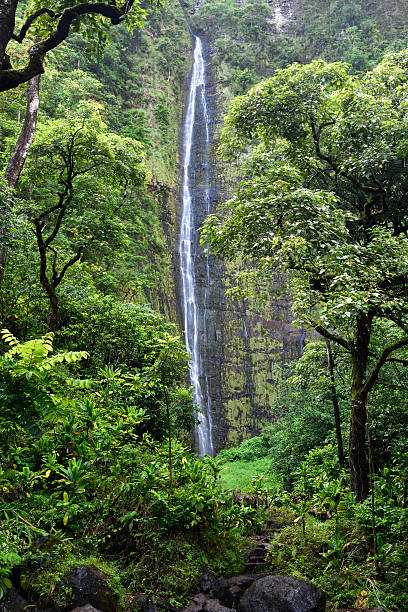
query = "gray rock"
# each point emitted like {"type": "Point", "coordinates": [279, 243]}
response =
{"type": "Point", "coordinates": [220, 588]}
{"type": "Point", "coordinates": [194, 608]}
{"type": "Point", "coordinates": [143, 603]}
{"type": "Point", "coordinates": [90, 587]}
{"type": "Point", "coordinates": [87, 608]}
{"type": "Point", "coordinates": [13, 602]}
{"type": "Point", "coordinates": [230, 591]}
{"type": "Point", "coordinates": [207, 581]}
{"type": "Point", "coordinates": [198, 603]}
{"type": "Point", "coordinates": [200, 599]}
{"type": "Point", "coordinates": [213, 605]}
{"type": "Point", "coordinates": [282, 594]}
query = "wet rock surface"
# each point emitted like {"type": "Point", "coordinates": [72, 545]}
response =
{"type": "Point", "coordinates": [257, 593]}
{"type": "Point", "coordinates": [87, 608]}
{"type": "Point", "coordinates": [282, 594]}
{"type": "Point", "coordinates": [90, 587]}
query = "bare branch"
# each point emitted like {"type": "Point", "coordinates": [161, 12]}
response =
{"type": "Point", "coordinates": [329, 335]}
{"type": "Point", "coordinates": [69, 263]}
{"type": "Point", "coordinates": [381, 361]}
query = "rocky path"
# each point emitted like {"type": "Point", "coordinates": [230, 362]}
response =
{"type": "Point", "coordinates": [256, 561]}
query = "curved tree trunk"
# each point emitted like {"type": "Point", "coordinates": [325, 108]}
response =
{"type": "Point", "coordinates": [20, 152]}
{"type": "Point", "coordinates": [23, 144]}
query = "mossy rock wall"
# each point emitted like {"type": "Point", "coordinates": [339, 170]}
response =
{"type": "Point", "coordinates": [244, 345]}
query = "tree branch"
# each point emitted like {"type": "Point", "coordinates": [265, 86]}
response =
{"type": "Point", "coordinates": [328, 334]}
{"type": "Point", "coordinates": [30, 20]}
{"type": "Point", "coordinates": [10, 78]}
{"type": "Point", "coordinates": [403, 362]}
{"type": "Point", "coordinates": [69, 263]}
{"type": "Point", "coordinates": [316, 132]}
{"type": "Point", "coordinates": [381, 361]}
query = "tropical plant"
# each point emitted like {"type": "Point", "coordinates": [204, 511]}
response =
{"type": "Point", "coordinates": [322, 197]}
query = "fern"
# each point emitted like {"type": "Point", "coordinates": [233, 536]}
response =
{"type": "Point", "coordinates": [33, 355]}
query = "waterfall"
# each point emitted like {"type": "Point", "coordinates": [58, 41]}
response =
{"type": "Point", "coordinates": [193, 315]}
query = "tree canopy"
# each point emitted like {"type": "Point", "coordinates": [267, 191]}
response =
{"type": "Point", "coordinates": [322, 196]}
{"type": "Point", "coordinates": [50, 23]}
{"type": "Point", "coordinates": [78, 177]}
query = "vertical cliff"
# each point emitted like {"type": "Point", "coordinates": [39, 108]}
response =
{"type": "Point", "coordinates": [245, 345]}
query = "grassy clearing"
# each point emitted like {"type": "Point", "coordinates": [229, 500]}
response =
{"type": "Point", "coordinates": [238, 474]}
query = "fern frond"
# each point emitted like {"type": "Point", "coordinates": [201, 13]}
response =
{"type": "Point", "coordinates": [9, 338]}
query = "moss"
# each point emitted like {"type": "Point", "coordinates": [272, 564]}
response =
{"type": "Point", "coordinates": [44, 585]}
{"type": "Point", "coordinates": [172, 568]}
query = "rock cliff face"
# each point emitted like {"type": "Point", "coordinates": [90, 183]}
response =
{"type": "Point", "coordinates": [243, 344]}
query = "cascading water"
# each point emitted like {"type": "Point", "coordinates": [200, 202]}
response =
{"type": "Point", "coordinates": [193, 317]}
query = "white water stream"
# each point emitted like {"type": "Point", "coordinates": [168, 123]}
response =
{"type": "Point", "coordinates": [192, 314]}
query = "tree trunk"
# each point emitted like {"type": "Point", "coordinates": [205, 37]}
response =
{"type": "Point", "coordinates": [53, 312]}
{"type": "Point", "coordinates": [23, 144]}
{"type": "Point", "coordinates": [7, 22]}
{"type": "Point", "coordinates": [21, 149]}
{"type": "Point", "coordinates": [359, 466]}
{"type": "Point", "coordinates": [330, 364]}
{"type": "Point", "coordinates": [359, 472]}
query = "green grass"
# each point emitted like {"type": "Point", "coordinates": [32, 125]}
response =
{"type": "Point", "coordinates": [238, 474]}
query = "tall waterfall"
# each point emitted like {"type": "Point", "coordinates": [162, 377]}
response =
{"type": "Point", "coordinates": [194, 318]}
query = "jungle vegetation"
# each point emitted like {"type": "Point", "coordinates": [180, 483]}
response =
{"type": "Point", "coordinates": [97, 464]}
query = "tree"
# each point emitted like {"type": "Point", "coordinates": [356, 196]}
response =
{"type": "Point", "coordinates": [322, 196]}
{"type": "Point", "coordinates": [76, 179]}
{"type": "Point", "coordinates": [18, 156]}
{"type": "Point", "coordinates": [50, 22]}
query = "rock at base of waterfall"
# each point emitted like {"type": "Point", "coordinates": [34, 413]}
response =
{"type": "Point", "coordinates": [282, 594]}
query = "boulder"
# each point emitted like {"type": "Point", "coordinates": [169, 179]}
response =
{"type": "Point", "coordinates": [90, 586]}
{"type": "Point", "coordinates": [202, 603]}
{"type": "Point", "coordinates": [87, 608]}
{"type": "Point", "coordinates": [207, 581]}
{"type": "Point", "coordinates": [13, 602]}
{"type": "Point", "coordinates": [282, 594]}
{"type": "Point", "coordinates": [220, 587]}
{"type": "Point", "coordinates": [213, 605]}
{"type": "Point", "coordinates": [143, 603]}
{"type": "Point", "coordinates": [230, 591]}
{"type": "Point", "coordinates": [198, 603]}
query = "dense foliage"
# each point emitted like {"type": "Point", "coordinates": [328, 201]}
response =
{"type": "Point", "coordinates": [96, 464]}
{"type": "Point", "coordinates": [322, 197]}
{"type": "Point", "coordinates": [49, 23]}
